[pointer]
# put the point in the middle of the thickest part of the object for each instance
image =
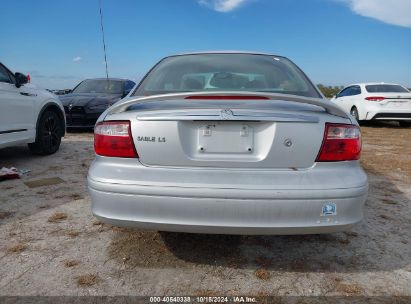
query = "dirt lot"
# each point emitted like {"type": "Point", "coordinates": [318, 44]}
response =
{"type": "Point", "coordinates": [50, 244]}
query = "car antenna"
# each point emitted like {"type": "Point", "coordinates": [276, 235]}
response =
{"type": "Point", "coordinates": [102, 33]}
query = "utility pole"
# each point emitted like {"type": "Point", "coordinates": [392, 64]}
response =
{"type": "Point", "coordinates": [104, 43]}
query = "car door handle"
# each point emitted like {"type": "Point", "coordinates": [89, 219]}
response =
{"type": "Point", "coordinates": [27, 94]}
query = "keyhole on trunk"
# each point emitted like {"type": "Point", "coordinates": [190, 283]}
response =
{"type": "Point", "coordinates": [288, 142]}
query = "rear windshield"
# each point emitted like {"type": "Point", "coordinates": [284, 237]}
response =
{"type": "Point", "coordinates": [226, 72]}
{"type": "Point", "coordinates": [385, 88]}
{"type": "Point", "coordinates": [99, 86]}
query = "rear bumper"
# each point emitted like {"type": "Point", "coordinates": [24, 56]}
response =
{"type": "Point", "coordinates": [392, 114]}
{"type": "Point", "coordinates": [226, 216]}
{"type": "Point", "coordinates": [80, 119]}
{"type": "Point", "coordinates": [211, 209]}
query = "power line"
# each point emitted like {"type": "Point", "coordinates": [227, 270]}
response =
{"type": "Point", "coordinates": [104, 43]}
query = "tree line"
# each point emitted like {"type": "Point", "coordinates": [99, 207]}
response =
{"type": "Point", "coordinates": [329, 91]}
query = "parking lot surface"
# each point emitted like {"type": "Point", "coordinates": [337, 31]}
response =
{"type": "Point", "coordinates": [50, 244]}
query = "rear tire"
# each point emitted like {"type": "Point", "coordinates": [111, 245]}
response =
{"type": "Point", "coordinates": [405, 124]}
{"type": "Point", "coordinates": [49, 133]}
{"type": "Point", "coordinates": [354, 113]}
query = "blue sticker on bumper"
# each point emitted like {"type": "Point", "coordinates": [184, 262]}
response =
{"type": "Point", "coordinates": [329, 209]}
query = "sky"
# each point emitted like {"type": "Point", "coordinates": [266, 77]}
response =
{"type": "Point", "coordinates": [335, 42]}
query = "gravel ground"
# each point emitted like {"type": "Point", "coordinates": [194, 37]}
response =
{"type": "Point", "coordinates": [50, 244]}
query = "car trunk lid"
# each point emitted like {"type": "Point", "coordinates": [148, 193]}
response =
{"type": "Point", "coordinates": [257, 134]}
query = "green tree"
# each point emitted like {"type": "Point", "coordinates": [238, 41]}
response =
{"type": "Point", "coordinates": [329, 91]}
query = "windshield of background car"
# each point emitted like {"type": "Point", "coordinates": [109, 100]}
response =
{"type": "Point", "coordinates": [226, 72]}
{"type": "Point", "coordinates": [100, 86]}
{"type": "Point", "coordinates": [385, 88]}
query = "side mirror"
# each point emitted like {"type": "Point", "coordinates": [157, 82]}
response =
{"type": "Point", "coordinates": [20, 79]}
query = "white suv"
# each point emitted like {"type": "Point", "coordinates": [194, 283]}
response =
{"type": "Point", "coordinates": [29, 114]}
{"type": "Point", "coordinates": [376, 101]}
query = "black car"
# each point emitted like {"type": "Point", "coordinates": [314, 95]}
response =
{"type": "Point", "coordinates": [92, 97]}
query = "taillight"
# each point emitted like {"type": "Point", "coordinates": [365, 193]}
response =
{"type": "Point", "coordinates": [375, 98]}
{"type": "Point", "coordinates": [341, 142]}
{"type": "Point", "coordinates": [113, 138]}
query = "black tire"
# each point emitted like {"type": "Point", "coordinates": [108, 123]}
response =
{"type": "Point", "coordinates": [354, 113]}
{"type": "Point", "coordinates": [405, 124]}
{"type": "Point", "coordinates": [49, 134]}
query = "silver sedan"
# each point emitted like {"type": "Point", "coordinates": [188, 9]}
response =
{"type": "Point", "coordinates": [227, 143]}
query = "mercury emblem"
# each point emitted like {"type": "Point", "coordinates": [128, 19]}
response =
{"type": "Point", "coordinates": [226, 114]}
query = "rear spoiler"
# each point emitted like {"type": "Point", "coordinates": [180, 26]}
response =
{"type": "Point", "coordinates": [328, 106]}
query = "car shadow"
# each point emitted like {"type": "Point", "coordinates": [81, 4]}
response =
{"type": "Point", "coordinates": [378, 243]}
{"type": "Point", "coordinates": [382, 124]}
{"type": "Point", "coordinates": [79, 130]}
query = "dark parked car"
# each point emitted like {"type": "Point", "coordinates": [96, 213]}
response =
{"type": "Point", "coordinates": [92, 97]}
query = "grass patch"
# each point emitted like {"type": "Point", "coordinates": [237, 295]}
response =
{"type": "Point", "coordinates": [17, 248]}
{"type": "Point", "coordinates": [389, 201]}
{"type": "Point", "coordinates": [75, 196]}
{"type": "Point", "coordinates": [73, 234]}
{"type": "Point", "coordinates": [262, 274]}
{"type": "Point", "coordinates": [71, 263]}
{"type": "Point", "coordinates": [87, 280]}
{"type": "Point", "coordinates": [57, 217]}
{"type": "Point", "coordinates": [349, 288]}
